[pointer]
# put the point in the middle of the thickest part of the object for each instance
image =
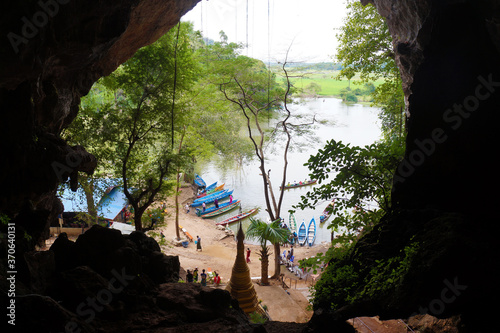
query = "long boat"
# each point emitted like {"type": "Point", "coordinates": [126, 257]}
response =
{"type": "Point", "coordinates": [208, 196]}
{"type": "Point", "coordinates": [299, 184]}
{"type": "Point", "coordinates": [237, 217]}
{"type": "Point", "coordinates": [200, 212]}
{"type": "Point", "coordinates": [205, 193]}
{"type": "Point", "coordinates": [199, 181]}
{"type": "Point", "coordinates": [209, 187]}
{"type": "Point", "coordinates": [302, 234]}
{"type": "Point", "coordinates": [327, 212]}
{"type": "Point", "coordinates": [211, 199]}
{"type": "Point", "coordinates": [311, 232]}
{"type": "Point", "coordinates": [221, 210]}
{"type": "Point", "coordinates": [292, 224]}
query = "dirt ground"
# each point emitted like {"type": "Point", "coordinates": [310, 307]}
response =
{"type": "Point", "coordinates": [218, 254]}
{"type": "Point", "coordinates": [287, 303]}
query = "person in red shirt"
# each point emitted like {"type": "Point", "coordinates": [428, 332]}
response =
{"type": "Point", "coordinates": [248, 255]}
{"type": "Point", "coordinates": [216, 279]}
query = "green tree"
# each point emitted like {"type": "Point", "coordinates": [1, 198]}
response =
{"type": "Point", "coordinates": [266, 232]}
{"type": "Point", "coordinates": [254, 90]}
{"type": "Point", "coordinates": [146, 115]}
{"type": "Point", "coordinates": [365, 47]}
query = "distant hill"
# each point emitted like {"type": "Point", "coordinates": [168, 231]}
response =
{"type": "Point", "coordinates": [320, 66]}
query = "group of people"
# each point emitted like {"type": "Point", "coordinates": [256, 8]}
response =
{"type": "Point", "coordinates": [193, 277]}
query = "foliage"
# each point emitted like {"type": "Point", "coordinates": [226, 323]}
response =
{"type": "Point", "coordinates": [346, 281]}
{"type": "Point", "coordinates": [365, 47]}
{"type": "Point", "coordinates": [263, 233]}
{"type": "Point", "coordinates": [257, 318]}
{"type": "Point", "coordinates": [362, 176]}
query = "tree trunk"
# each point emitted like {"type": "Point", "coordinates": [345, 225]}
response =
{"type": "Point", "coordinates": [277, 265]}
{"type": "Point", "coordinates": [264, 266]}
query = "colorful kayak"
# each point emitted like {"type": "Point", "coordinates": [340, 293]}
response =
{"type": "Point", "coordinates": [200, 212]}
{"type": "Point", "coordinates": [210, 187]}
{"type": "Point", "coordinates": [292, 224]}
{"type": "Point", "coordinates": [299, 184]}
{"type": "Point", "coordinates": [226, 208]}
{"type": "Point", "coordinates": [210, 198]}
{"type": "Point", "coordinates": [237, 217]}
{"type": "Point", "coordinates": [205, 193]}
{"type": "Point", "coordinates": [199, 181]}
{"type": "Point", "coordinates": [302, 234]}
{"type": "Point", "coordinates": [327, 212]}
{"type": "Point", "coordinates": [311, 232]}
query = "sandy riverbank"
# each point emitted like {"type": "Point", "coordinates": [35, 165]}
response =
{"type": "Point", "coordinates": [219, 254]}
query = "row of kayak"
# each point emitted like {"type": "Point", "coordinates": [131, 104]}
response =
{"type": "Point", "coordinates": [305, 234]}
{"type": "Point", "coordinates": [212, 194]}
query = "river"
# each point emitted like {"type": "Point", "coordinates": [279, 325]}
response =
{"type": "Point", "coordinates": [356, 124]}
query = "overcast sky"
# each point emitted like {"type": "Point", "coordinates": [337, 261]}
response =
{"type": "Point", "coordinates": [309, 27]}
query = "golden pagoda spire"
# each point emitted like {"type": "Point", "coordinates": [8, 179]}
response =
{"type": "Point", "coordinates": [240, 285]}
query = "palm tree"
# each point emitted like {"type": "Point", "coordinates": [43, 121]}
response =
{"type": "Point", "coordinates": [263, 233]}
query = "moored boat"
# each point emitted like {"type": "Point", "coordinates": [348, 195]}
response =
{"type": "Point", "coordinates": [237, 217]}
{"type": "Point", "coordinates": [200, 212]}
{"type": "Point", "coordinates": [221, 210]}
{"type": "Point", "coordinates": [311, 232]}
{"type": "Point", "coordinates": [327, 212]}
{"type": "Point", "coordinates": [210, 198]}
{"type": "Point", "coordinates": [292, 223]}
{"type": "Point", "coordinates": [199, 181]}
{"type": "Point", "coordinates": [302, 234]}
{"type": "Point", "coordinates": [205, 193]}
{"type": "Point", "coordinates": [299, 184]}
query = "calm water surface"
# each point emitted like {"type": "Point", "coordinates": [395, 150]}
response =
{"type": "Point", "coordinates": [355, 124]}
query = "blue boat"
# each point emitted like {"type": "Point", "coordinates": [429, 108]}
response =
{"type": "Point", "coordinates": [200, 212]}
{"type": "Point", "coordinates": [199, 181]}
{"type": "Point", "coordinates": [209, 187]}
{"type": "Point", "coordinates": [211, 199]}
{"type": "Point", "coordinates": [209, 196]}
{"type": "Point", "coordinates": [302, 233]}
{"type": "Point", "coordinates": [311, 232]}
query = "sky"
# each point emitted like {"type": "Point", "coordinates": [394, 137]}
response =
{"type": "Point", "coordinates": [307, 28]}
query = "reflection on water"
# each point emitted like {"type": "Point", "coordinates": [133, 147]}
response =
{"type": "Point", "coordinates": [356, 124]}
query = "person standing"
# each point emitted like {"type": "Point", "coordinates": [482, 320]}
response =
{"type": "Point", "coordinates": [248, 255]}
{"type": "Point", "coordinates": [230, 199]}
{"type": "Point", "coordinates": [203, 276]}
{"type": "Point", "coordinates": [216, 203]}
{"type": "Point", "coordinates": [198, 243]}
{"type": "Point", "coordinates": [187, 208]}
{"type": "Point", "coordinates": [189, 276]}
{"type": "Point", "coordinates": [195, 274]}
{"type": "Point", "coordinates": [204, 206]}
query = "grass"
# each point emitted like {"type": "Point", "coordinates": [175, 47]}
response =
{"type": "Point", "coordinates": [329, 85]}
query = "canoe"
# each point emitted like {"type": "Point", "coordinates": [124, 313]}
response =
{"type": "Point", "coordinates": [292, 224]}
{"type": "Point", "coordinates": [205, 193]}
{"type": "Point", "coordinates": [327, 212]}
{"type": "Point", "coordinates": [304, 183]}
{"type": "Point", "coordinates": [210, 198]}
{"type": "Point", "coordinates": [209, 187]}
{"type": "Point", "coordinates": [226, 208]}
{"type": "Point", "coordinates": [311, 232]}
{"type": "Point", "coordinates": [199, 181]}
{"type": "Point", "coordinates": [200, 212]}
{"type": "Point", "coordinates": [237, 217]}
{"type": "Point", "coordinates": [302, 234]}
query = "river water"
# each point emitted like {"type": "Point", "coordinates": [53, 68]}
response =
{"type": "Point", "coordinates": [356, 124]}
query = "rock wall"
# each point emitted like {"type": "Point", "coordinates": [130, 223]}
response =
{"type": "Point", "coordinates": [448, 54]}
{"type": "Point", "coordinates": [51, 52]}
